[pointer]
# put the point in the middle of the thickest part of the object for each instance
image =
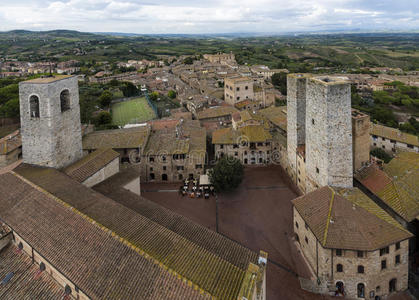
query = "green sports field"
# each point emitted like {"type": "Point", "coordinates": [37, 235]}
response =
{"type": "Point", "coordinates": [131, 112]}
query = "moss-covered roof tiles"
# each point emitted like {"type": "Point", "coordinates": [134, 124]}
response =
{"type": "Point", "coordinates": [394, 134]}
{"type": "Point", "coordinates": [117, 138]}
{"type": "Point", "coordinates": [276, 115]}
{"type": "Point", "coordinates": [249, 133]}
{"type": "Point", "coordinates": [215, 112]}
{"type": "Point", "coordinates": [187, 256]}
{"type": "Point", "coordinates": [348, 219]}
{"type": "Point", "coordinates": [397, 184]}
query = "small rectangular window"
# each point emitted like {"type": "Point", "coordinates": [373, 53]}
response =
{"type": "Point", "coordinates": [338, 252]}
{"type": "Point", "coordinates": [383, 264]}
{"type": "Point", "coordinates": [317, 170]}
{"type": "Point", "coordinates": [360, 253]}
{"type": "Point", "coordinates": [384, 251]}
{"type": "Point", "coordinates": [397, 259]}
{"type": "Point", "coordinates": [397, 245]}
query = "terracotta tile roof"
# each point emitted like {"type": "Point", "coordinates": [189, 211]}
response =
{"type": "Point", "coordinates": [117, 139]}
{"type": "Point", "coordinates": [394, 134]}
{"type": "Point", "coordinates": [348, 219]}
{"type": "Point", "coordinates": [10, 142]}
{"type": "Point", "coordinates": [170, 246]}
{"type": "Point", "coordinates": [102, 264]}
{"type": "Point", "coordinates": [276, 115]}
{"type": "Point", "coordinates": [90, 164]}
{"type": "Point", "coordinates": [250, 133]}
{"type": "Point", "coordinates": [243, 103]}
{"type": "Point", "coordinates": [25, 284]}
{"type": "Point", "coordinates": [397, 184]}
{"type": "Point", "coordinates": [215, 112]}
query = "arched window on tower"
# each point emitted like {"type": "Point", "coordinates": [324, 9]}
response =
{"type": "Point", "coordinates": [65, 100]}
{"type": "Point", "coordinates": [34, 106]}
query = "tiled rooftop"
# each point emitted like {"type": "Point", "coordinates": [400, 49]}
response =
{"type": "Point", "coordinates": [348, 219]}
{"type": "Point", "coordinates": [249, 133]}
{"type": "Point", "coordinates": [163, 236]}
{"type": "Point", "coordinates": [397, 184]}
{"type": "Point", "coordinates": [394, 134]}
{"type": "Point", "coordinates": [117, 139]}
{"type": "Point", "coordinates": [25, 284]}
{"type": "Point", "coordinates": [103, 264]}
{"type": "Point", "coordinates": [218, 111]}
{"type": "Point", "coordinates": [90, 164]}
{"type": "Point", "coordinates": [10, 142]}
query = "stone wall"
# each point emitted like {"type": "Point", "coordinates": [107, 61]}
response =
{"type": "Point", "coordinates": [11, 157]}
{"type": "Point", "coordinates": [53, 139]}
{"type": "Point", "coordinates": [296, 118]}
{"type": "Point", "coordinates": [328, 133]}
{"type": "Point", "coordinates": [232, 95]}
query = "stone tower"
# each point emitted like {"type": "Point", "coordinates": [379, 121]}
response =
{"type": "Point", "coordinates": [50, 121]}
{"type": "Point", "coordinates": [328, 133]}
{"type": "Point", "coordinates": [360, 139]}
{"type": "Point", "coordinates": [296, 117]}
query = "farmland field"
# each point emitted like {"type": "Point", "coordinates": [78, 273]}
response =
{"type": "Point", "coordinates": [132, 111]}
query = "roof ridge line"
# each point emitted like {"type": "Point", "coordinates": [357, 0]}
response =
{"type": "Point", "coordinates": [329, 215]}
{"type": "Point", "coordinates": [117, 237]}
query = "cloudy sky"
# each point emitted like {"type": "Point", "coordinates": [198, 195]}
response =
{"type": "Point", "coordinates": [210, 16]}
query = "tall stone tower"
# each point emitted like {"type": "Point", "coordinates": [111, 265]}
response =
{"type": "Point", "coordinates": [296, 117]}
{"type": "Point", "coordinates": [50, 121]}
{"type": "Point", "coordinates": [360, 139]}
{"type": "Point", "coordinates": [328, 133]}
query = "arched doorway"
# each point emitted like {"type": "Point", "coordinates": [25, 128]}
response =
{"type": "Point", "coordinates": [392, 285]}
{"type": "Point", "coordinates": [340, 289]}
{"type": "Point", "coordinates": [361, 290]}
{"type": "Point", "coordinates": [164, 177]}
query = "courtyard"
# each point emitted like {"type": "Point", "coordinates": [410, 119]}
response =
{"type": "Point", "coordinates": [257, 215]}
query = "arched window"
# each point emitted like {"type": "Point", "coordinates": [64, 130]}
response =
{"type": "Point", "coordinates": [339, 268]}
{"type": "Point", "coordinates": [361, 269]}
{"type": "Point", "coordinates": [361, 290]}
{"type": "Point", "coordinates": [34, 106]}
{"type": "Point", "coordinates": [65, 100]}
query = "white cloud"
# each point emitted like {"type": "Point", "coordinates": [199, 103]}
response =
{"type": "Point", "coordinates": [188, 16]}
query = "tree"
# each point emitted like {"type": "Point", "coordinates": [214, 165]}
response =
{"type": "Point", "coordinates": [171, 94]}
{"type": "Point", "coordinates": [280, 81]}
{"type": "Point", "coordinates": [227, 174]}
{"type": "Point", "coordinates": [129, 89]}
{"type": "Point", "coordinates": [188, 61]}
{"type": "Point", "coordinates": [103, 118]}
{"type": "Point", "coordinates": [154, 96]}
{"type": "Point", "coordinates": [10, 109]}
{"type": "Point", "coordinates": [381, 154]}
{"type": "Point", "coordinates": [106, 98]}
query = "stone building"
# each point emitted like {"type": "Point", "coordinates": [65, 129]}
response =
{"type": "Point", "coordinates": [393, 140]}
{"type": "Point", "coordinates": [50, 121]}
{"type": "Point", "coordinates": [220, 114]}
{"type": "Point", "coordinates": [221, 58]}
{"type": "Point", "coordinates": [174, 153]}
{"type": "Point", "coordinates": [128, 142]}
{"type": "Point", "coordinates": [353, 247]}
{"type": "Point", "coordinates": [328, 133]}
{"type": "Point", "coordinates": [251, 144]}
{"type": "Point", "coordinates": [237, 89]}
